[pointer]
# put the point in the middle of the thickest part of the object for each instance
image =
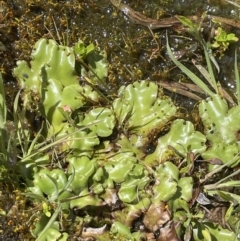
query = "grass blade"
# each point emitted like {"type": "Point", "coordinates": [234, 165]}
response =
{"type": "Point", "coordinates": [237, 78]}
{"type": "Point", "coordinates": [189, 73]}
{"type": "Point", "coordinates": [3, 118]}
{"type": "Point", "coordinates": [51, 221]}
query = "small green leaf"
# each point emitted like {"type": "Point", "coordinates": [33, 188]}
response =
{"type": "Point", "coordinates": [186, 22]}
{"type": "Point", "coordinates": [206, 235]}
{"type": "Point", "coordinates": [186, 185]}
{"type": "Point", "coordinates": [90, 48]}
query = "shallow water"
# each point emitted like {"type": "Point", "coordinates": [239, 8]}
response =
{"type": "Point", "coordinates": [132, 50]}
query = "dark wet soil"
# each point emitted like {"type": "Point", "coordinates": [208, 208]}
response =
{"type": "Point", "coordinates": [131, 48]}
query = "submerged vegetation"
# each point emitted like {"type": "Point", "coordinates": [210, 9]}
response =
{"type": "Point", "coordinates": [118, 161]}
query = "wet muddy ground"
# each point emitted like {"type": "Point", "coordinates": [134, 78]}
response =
{"type": "Point", "coordinates": [132, 51]}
